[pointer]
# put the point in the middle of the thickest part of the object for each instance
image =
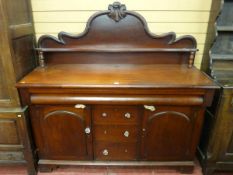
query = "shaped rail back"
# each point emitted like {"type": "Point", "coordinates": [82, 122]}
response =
{"type": "Point", "coordinates": [116, 36]}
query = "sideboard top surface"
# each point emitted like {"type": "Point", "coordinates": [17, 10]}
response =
{"type": "Point", "coordinates": [116, 75]}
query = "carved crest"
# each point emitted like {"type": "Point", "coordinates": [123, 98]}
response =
{"type": "Point", "coordinates": [117, 11]}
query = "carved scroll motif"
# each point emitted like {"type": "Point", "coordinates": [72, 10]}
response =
{"type": "Point", "coordinates": [117, 11]}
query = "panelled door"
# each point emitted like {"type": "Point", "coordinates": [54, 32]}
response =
{"type": "Point", "coordinates": [168, 133]}
{"type": "Point", "coordinates": [62, 132]}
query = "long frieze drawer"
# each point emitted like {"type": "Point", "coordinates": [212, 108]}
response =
{"type": "Point", "coordinates": [117, 133]}
{"type": "Point", "coordinates": [109, 114]}
{"type": "Point", "coordinates": [115, 151]}
{"type": "Point", "coordinates": [191, 100]}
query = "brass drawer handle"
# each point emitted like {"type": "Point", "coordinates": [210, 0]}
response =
{"type": "Point", "coordinates": [80, 106]}
{"type": "Point", "coordinates": [87, 130]}
{"type": "Point", "coordinates": [151, 108]}
{"type": "Point", "coordinates": [126, 133]}
{"type": "Point", "coordinates": [127, 115]}
{"type": "Point", "coordinates": [105, 152]}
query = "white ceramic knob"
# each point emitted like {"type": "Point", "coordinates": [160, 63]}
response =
{"type": "Point", "coordinates": [126, 133]}
{"type": "Point", "coordinates": [104, 114]}
{"type": "Point", "coordinates": [105, 152]}
{"type": "Point", "coordinates": [127, 115]}
{"type": "Point", "coordinates": [87, 130]}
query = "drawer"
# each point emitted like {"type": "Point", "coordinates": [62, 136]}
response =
{"type": "Point", "coordinates": [109, 114]}
{"type": "Point", "coordinates": [11, 156]}
{"type": "Point", "coordinates": [116, 133]}
{"type": "Point", "coordinates": [115, 151]}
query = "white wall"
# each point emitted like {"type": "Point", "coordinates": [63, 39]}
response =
{"type": "Point", "coordinates": [180, 16]}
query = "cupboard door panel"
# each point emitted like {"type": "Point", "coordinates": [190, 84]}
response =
{"type": "Point", "coordinates": [3, 85]}
{"type": "Point", "coordinates": [8, 130]}
{"type": "Point", "coordinates": [230, 146]}
{"type": "Point", "coordinates": [167, 133]}
{"type": "Point", "coordinates": [60, 132]}
{"type": "Point", "coordinates": [225, 117]}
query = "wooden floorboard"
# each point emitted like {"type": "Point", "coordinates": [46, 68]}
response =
{"type": "Point", "coordinates": [77, 170]}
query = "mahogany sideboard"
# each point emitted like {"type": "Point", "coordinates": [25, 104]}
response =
{"type": "Point", "coordinates": [116, 95]}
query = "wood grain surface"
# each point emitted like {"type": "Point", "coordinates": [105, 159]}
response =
{"type": "Point", "coordinates": [107, 75]}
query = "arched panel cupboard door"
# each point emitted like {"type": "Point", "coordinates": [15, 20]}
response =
{"type": "Point", "coordinates": [62, 132]}
{"type": "Point", "coordinates": [168, 132]}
